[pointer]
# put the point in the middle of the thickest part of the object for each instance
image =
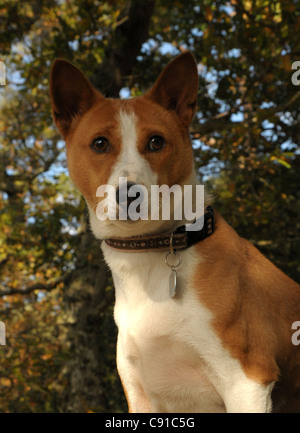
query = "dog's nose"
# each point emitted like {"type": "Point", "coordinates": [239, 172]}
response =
{"type": "Point", "coordinates": [122, 194]}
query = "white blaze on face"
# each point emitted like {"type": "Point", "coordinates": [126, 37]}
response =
{"type": "Point", "coordinates": [130, 163]}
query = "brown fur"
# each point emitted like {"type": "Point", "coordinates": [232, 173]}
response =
{"type": "Point", "coordinates": [254, 306]}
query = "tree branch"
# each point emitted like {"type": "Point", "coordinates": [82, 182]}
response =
{"type": "Point", "coordinates": [124, 46]}
{"type": "Point", "coordinates": [38, 286]}
{"type": "Point", "coordinates": [221, 121]}
{"type": "Point", "coordinates": [214, 124]}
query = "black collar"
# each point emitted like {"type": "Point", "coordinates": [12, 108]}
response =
{"type": "Point", "coordinates": [179, 239]}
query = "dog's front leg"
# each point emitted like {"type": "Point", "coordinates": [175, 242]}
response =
{"type": "Point", "coordinates": [248, 396]}
{"type": "Point", "coordinates": [136, 397]}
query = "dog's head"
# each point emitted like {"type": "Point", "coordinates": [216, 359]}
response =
{"type": "Point", "coordinates": [136, 142]}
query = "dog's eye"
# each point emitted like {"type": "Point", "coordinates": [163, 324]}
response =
{"type": "Point", "coordinates": [100, 145]}
{"type": "Point", "coordinates": [156, 143]}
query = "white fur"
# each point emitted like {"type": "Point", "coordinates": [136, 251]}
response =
{"type": "Point", "coordinates": [130, 163]}
{"type": "Point", "coordinates": [168, 354]}
{"type": "Point", "coordinates": [169, 357]}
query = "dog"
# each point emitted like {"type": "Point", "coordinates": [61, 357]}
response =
{"type": "Point", "coordinates": [204, 319]}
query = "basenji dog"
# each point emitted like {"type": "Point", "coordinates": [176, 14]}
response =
{"type": "Point", "coordinates": [205, 321]}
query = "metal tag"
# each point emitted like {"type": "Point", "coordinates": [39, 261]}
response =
{"type": "Point", "coordinates": [172, 283]}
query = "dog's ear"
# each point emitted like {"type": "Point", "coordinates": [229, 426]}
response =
{"type": "Point", "coordinates": [71, 94]}
{"type": "Point", "coordinates": [176, 87]}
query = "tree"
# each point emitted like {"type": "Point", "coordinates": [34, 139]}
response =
{"type": "Point", "coordinates": [56, 292]}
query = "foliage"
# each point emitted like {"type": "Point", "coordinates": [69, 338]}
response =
{"type": "Point", "coordinates": [245, 135]}
{"type": "Point", "coordinates": [33, 355]}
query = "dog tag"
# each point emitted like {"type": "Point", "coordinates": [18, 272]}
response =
{"type": "Point", "coordinates": [172, 282]}
{"type": "Point", "coordinates": [173, 276]}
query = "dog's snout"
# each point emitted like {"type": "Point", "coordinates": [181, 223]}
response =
{"type": "Point", "coordinates": [122, 193]}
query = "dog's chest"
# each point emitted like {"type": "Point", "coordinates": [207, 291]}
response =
{"type": "Point", "coordinates": [161, 339]}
